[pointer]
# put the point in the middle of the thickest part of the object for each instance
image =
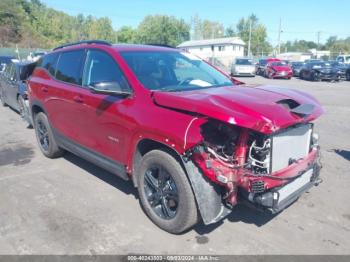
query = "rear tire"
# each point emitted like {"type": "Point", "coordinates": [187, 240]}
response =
{"type": "Point", "coordinates": [45, 137]}
{"type": "Point", "coordinates": [2, 99]}
{"type": "Point", "coordinates": [23, 110]}
{"type": "Point", "coordinates": [165, 192]}
{"type": "Point", "coordinates": [348, 75]}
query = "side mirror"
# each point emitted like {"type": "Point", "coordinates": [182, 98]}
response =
{"type": "Point", "coordinates": [236, 82]}
{"type": "Point", "coordinates": [108, 88]}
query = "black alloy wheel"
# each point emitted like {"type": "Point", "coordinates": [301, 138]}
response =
{"type": "Point", "coordinates": [43, 135]}
{"type": "Point", "coordinates": [165, 193]}
{"type": "Point", "coordinates": [161, 192]}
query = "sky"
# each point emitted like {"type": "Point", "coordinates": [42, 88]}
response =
{"type": "Point", "coordinates": [300, 19]}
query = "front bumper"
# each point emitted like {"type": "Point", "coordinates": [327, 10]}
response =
{"type": "Point", "coordinates": [331, 76]}
{"type": "Point", "coordinates": [237, 72]}
{"type": "Point", "coordinates": [278, 198]}
{"type": "Point", "coordinates": [282, 74]}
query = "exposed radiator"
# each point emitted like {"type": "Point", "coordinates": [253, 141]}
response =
{"type": "Point", "coordinates": [290, 145]}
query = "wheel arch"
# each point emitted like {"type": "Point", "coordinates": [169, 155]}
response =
{"type": "Point", "coordinates": [146, 145]}
{"type": "Point", "coordinates": [36, 107]}
{"type": "Point", "coordinates": [207, 194]}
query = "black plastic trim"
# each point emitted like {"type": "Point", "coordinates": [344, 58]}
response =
{"type": "Point", "coordinates": [90, 155]}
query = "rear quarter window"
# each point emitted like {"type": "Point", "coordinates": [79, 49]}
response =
{"type": "Point", "coordinates": [49, 62]}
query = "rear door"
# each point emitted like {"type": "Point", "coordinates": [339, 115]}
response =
{"type": "Point", "coordinates": [13, 87]}
{"type": "Point", "coordinates": [9, 76]}
{"type": "Point", "coordinates": [62, 99]}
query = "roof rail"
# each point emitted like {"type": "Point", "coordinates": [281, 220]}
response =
{"type": "Point", "coordinates": [100, 42]}
{"type": "Point", "coordinates": [161, 45]}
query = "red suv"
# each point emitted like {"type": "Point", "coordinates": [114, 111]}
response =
{"type": "Point", "coordinates": [188, 138]}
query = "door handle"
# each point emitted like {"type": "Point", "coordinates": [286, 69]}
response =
{"type": "Point", "coordinates": [44, 89]}
{"type": "Point", "coordinates": [78, 99]}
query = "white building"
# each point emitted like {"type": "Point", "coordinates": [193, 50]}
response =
{"type": "Point", "coordinates": [222, 50]}
{"type": "Point", "coordinates": [295, 56]}
{"type": "Point", "coordinates": [319, 54]}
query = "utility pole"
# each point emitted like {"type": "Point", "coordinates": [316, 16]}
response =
{"type": "Point", "coordinates": [318, 38]}
{"type": "Point", "coordinates": [250, 37]}
{"type": "Point", "coordinates": [279, 36]}
{"type": "Point", "coordinates": [318, 42]}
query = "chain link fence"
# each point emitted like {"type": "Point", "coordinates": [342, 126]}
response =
{"type": "Point", "coordinates": [20, 53]}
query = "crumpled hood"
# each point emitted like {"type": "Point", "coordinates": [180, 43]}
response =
{"type": "Point", "coordinates": [253, 107]}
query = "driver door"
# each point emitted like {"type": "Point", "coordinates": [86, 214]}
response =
{"type": "Point", "coordinates": [106, 126]}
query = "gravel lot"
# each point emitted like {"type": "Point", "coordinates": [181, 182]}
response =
{"type": "Point", "coordinates": [68, 206]}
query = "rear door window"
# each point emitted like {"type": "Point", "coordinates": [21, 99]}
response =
{"type": "Point", "coordinates": [69, 67]}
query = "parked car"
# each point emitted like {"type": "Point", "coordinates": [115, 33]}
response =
{"type": "Point", "coordinates": [187, 137]}
{"type": "Point", "coordinates": [347, 73]}
{"type": "Point", "coordinates": [343, 59]}
{"type": "Point", "coordinates": [296, 67]}
{"type": "Point", "coordinates": [243, 67]}
{"type": "Point", "coordinates": [4, 60]}
{"type": "Point", "coordinates": [340, 67]}
{"type": "Point", "coordinates": [318, 71]}
{"type": "Point", "coordinates": [35, 56]}
{"type": "Point", "coordinates": [313, 61]}
{"type": "Point", "coordinates": [13, 88]}
{"type": "Point", "coordinates": [261, 65]}
{"type": "Point", "coordinates": [278, 69]}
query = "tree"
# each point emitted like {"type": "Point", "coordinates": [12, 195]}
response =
{"type": "Point", "coordinates": [102, 29]}
{"type": "Point", "coordinates": [206, 29]}
{"type": "Point", "coordinates": [162, 29]}
{"type": "Point", "coordinates": [259, 43]}
{"type": "Point", "coordinates": [298, 46]}
{"type": "Point", "coordinates": [12, 18]}
{"type": "Point", "coordinates": [126, 34]}
{"type": "Point", "coordinates": [230, 32]}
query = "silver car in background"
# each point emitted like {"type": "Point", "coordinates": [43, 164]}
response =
{"type": "Point", "coordinates": [243, 67]}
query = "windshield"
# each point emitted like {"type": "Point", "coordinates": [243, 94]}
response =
{"type": "Point", "coordinates": [297, 64]}
{"type": "Point", "coordinates": [263, 62]}
{"type": "Point", "coordinates": [173, 71]}
{"type": "Point", "coordinates": [279, 63]}
{"type": "Point", "coordinates": [244, 62]}
{"type": "Point", "coordinates": [320, 65]}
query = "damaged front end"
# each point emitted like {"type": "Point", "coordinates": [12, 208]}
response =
{"type": "Point", "coordinates": [232, 163]}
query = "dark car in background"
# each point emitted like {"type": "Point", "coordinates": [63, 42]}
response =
{"type": "Point", "coordinates": [5, 60]}
{"type": "Point", "coordinates": [347, 73]}
{"type": "Point", "coordinates": [341, 67]}
{"type": "Point", "coordinates": [318, 71]}
{"type": "Point", "coordinates": [296, 67]}
{"type": "Point", "coordinates": [13, 87]}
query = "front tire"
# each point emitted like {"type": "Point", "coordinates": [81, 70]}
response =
{"type": "Point", "coordinates": [165, 193]}
{"type": "Point", "coordinates": [45, 137]}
